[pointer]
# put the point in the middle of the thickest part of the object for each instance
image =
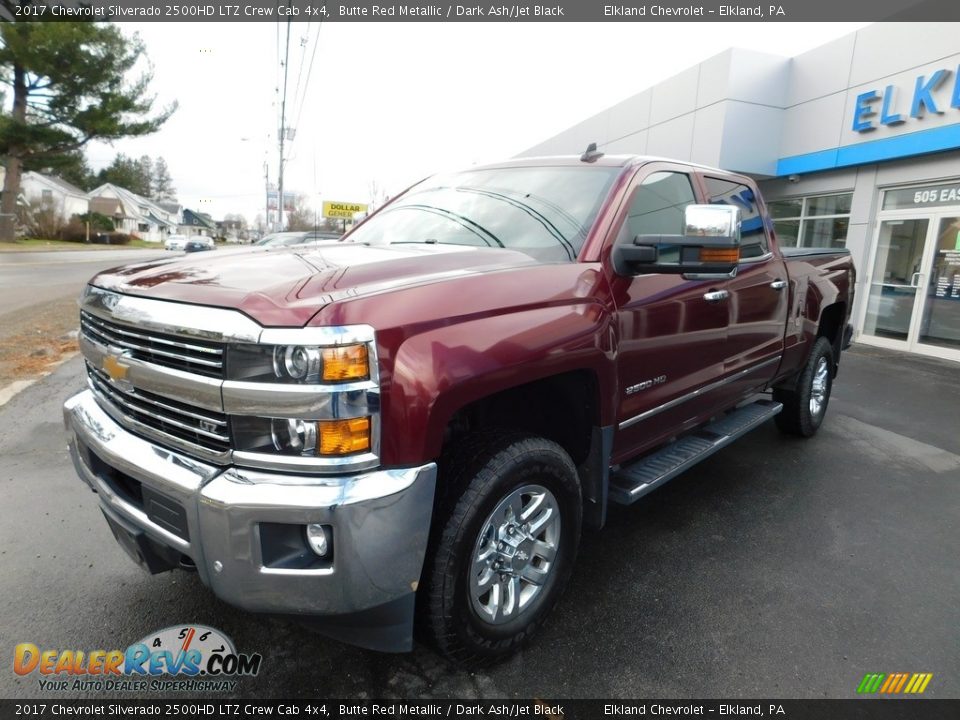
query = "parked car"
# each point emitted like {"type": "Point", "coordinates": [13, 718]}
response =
{"type": "Point", "coordinates": [198, 244]}
{"type": "Point", "coordinates": [426, 414]}
{"type": "Point", "coordinates": [175, 242]}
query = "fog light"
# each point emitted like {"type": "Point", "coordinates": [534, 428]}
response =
{"type": "Point", "coordinates": [318, 537]}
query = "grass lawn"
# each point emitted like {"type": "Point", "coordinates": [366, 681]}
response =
{"type": "Point", "coordinates": [35, 244]}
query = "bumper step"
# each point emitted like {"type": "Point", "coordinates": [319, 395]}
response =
{"type": "Point", "coordinates": [632, 482]}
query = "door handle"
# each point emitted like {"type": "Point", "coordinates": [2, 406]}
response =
{"type": "Point", "coordinates": [913, 279]}
{"type": "Point", "coordinates": [778, 284]}
{"type": "Point", "coordinates": [716, 296]}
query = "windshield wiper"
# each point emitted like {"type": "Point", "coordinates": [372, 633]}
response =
{"type": "Point", "coordinates": [465, 222]}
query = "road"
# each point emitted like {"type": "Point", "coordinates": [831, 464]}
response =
{"type": "Point", "coordinates": [779, 567]}
{"type": "Point", "coordinates": [32, 278]}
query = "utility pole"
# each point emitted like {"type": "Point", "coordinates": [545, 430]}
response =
{"type": "Point", "coordinates": [283, 123]}
{"type": "Point", "coordinates": [266, 179]}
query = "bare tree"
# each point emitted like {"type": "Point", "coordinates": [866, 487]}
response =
{"type": "Point", "coordinates": [378, 195]}
{"type": "Point", "coordinates": [42, 220]}
{"type": "Point", "coordinates": [301, 217]}
{"type": "Point", "coordinates": [237, 224]}
{"type": "Point", "coordinates": [162, 182]}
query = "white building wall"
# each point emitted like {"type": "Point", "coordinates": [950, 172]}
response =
{"type": "Point", "coordinates": [744, 110]}
{"type": "Point", "coordinates": [706, 112]}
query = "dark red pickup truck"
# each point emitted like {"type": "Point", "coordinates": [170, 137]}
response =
{"type": "Point", "coordinates": [417, 420]}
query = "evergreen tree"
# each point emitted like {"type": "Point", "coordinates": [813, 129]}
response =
{"type": "Point", "coordinates": [71, 166]}
{"type": "Point", "coordinates": [69, 85]}
{"type": "Point", "coordinates": [126, 173]}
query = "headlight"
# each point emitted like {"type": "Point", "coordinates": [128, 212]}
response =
{"type": "Point", "coordinates": [296, 363]}
{"type": "Point", "coordinates": [302, 364]}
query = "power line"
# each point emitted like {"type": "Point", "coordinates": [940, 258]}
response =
{"type": "Point", "coordinates": [304, 39]}
{"type": "Point", "coordinates": [306, 85]}
{"type": "Point", "coordinates": [283, 120]}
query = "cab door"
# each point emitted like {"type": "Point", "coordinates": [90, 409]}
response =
{"type": "Point", "coordinates": [758, 293]}
{"type": "Point", "coordinates": [671, 330]}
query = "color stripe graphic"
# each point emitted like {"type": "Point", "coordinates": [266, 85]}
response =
{"type": "Point", "coordinates": [894, 683]}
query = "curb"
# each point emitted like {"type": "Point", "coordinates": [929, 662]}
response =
{"type": "Point", "coordinates": [9, 392]}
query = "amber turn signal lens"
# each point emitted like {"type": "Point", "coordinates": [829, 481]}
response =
{"type": "Point", "coordinates": [343, 437]}
{"type": "Point", "coordinates": [719, 255]}
{"type": "Point", "coordinates": [348, 362]}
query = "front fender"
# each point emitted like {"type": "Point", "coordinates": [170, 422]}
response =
{"type": "Point", "coordinates": [437, 372]}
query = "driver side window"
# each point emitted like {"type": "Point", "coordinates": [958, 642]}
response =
{"type": "Point", "coordinates": [657, 208]}
{"type": "Point", "coordinates": [658, 204]}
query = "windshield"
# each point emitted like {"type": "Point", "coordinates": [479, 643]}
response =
{"type": "Point", "coordinates": [545, 212]}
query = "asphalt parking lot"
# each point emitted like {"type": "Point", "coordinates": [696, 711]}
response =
{"type": "Point", "coordinates": [777, 568]}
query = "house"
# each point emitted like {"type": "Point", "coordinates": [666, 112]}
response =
{"type": "Point", "coordinates": [41, 191]}
{"type": "Point", "coordinates": [197, 223]}
{"type": "Point", "coordinates": [132, 213]}
{"type": "Point", "coordinates": [232, 231]}
{"type": "Point", "coordinates": [173, 208]}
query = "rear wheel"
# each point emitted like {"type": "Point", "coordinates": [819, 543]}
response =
{"type": "Point", "coordinates": [505, 546]}
{"type": "Point", "coordinates": [805, 405]}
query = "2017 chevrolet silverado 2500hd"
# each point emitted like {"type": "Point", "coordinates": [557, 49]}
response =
{"type": "Point", "coordinates": [416, 421]}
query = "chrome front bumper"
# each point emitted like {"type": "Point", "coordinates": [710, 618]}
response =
{"type": "Point", "coordinates": [380, 522]}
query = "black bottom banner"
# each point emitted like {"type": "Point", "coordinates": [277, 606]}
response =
{"type": "Point", "coordinates": [873, 709]}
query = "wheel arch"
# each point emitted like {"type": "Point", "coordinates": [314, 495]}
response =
{"type": "Point", "coordinates": [554, 354]}
{"type": "Point", "coordinates": [831, 325]}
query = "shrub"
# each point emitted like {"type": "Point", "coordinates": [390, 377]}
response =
{"type": "Point", "coordinates": [72, 234]}
{"type": "Point", "coordinates": [98, 222]}
{"type": "Point", "coordinates": [41, 220]}
{"type": "Point", "coordinates": [112, 238]}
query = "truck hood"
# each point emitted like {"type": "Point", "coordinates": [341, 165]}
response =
{"type": "Point", "coordinates": [285, 287]}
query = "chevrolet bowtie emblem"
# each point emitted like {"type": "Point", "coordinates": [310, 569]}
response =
{"type": "Point", "coordinates": [114, 368]}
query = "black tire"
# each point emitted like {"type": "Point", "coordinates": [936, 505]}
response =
{"type": "Point", "coordinates": [477, 477]}
{"type": "Point", "coordinates": [799, 416]}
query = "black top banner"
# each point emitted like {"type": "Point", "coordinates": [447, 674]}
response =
{"type": "Point", "coordinates": [489, 11]}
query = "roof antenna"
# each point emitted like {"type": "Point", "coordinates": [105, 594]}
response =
{"type": "Point", "coordinates": [591, 154]}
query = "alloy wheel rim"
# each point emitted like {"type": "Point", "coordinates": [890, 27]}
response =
{"type": "Point", "coordinates": [818, 389]}
{"type": "Point", "coordinates": [514, 554]}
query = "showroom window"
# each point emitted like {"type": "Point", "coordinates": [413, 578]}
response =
{"type": "Point", "coordinates": [819, 221]}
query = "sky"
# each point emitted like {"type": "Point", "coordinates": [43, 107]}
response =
{"type": "Point", "coordinates": [391, 103]}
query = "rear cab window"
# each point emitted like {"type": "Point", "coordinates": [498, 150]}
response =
{"type": "Point", "coordinates": [754, 242]}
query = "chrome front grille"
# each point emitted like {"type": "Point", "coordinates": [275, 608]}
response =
{"type": "Point", "coordinates": [200, 429]}
{"type": "Point", "coordinates": [159, 369]}
{"type": "Point", "coordinates": [197, 356]}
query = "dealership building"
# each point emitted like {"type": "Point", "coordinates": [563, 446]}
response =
{"type": "Point", "coordinates": [855, 144]}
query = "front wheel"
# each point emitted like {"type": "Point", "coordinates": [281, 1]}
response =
{"type": "Point", "coordinates": [805, 405]}
{"type": "Point", "coordinates": [506, 546]}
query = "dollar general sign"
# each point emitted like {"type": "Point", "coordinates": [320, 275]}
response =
{"type": "Point", "coordinates": [347, 210]}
